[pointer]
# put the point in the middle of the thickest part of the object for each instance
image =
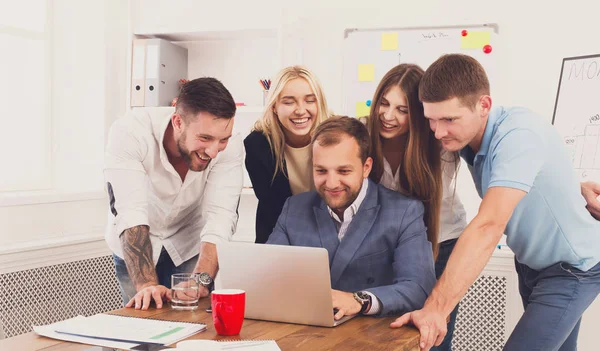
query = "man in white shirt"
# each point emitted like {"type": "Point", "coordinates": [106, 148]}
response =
{"type": "Point", "coordinates": [174, 184]}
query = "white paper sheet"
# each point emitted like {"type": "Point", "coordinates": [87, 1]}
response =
{"type": "Point", "coordinates": [48, 331]}
{"type": "Point", "coordinates": [129, 329]}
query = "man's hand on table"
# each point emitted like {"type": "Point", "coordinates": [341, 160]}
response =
{"type": "Point", "coordinates": [160, 294]}
{"type": "Point", "coordinates": [147, 294]}
{"type": "Point", "coordinates": [430, 322]}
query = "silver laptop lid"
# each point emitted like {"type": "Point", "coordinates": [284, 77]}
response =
{"type": "Point", "coordinates": [283, 283]}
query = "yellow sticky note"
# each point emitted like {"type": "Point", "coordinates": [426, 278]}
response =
{"type": "Point", "coordinates": [389, 41]}
{"type": "Point", "coordinates": [366, 72]}
{"type": "Point", "coordinates": [362, 109]}
{"type": "Point", "coordinates": [475, 40]}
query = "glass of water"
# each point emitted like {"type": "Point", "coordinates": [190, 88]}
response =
{"type": "Point", "coordinates": [184, 291]}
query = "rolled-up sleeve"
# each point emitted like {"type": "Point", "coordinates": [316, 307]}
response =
{"type": "Point", "coordinates": [126, 179]}
{"type": "Point", "coordinates": [222, 194]}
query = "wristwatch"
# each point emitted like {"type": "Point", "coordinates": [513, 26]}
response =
{"type": "Point", "coordinates": [205, 280]}
{"type": "Point", "coordinates": [363, 299]}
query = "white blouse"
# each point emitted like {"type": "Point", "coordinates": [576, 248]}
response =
{"type": "Point", "coordinates": [452, 213]}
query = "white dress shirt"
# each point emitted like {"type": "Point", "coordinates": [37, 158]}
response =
{"type": "Point", "coordinates": [148, 191]}
{"type": "Point", "coordinates": [342, 227]}
{"type": "Point", "coordinates": [452, 212]}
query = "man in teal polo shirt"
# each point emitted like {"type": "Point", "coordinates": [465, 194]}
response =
{"type": "Point", "coordinates": [530, 192]}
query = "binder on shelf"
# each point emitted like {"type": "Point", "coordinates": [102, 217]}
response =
{"type": "Point", "coordinates": [166, 64]}
{"type": "Point", "coordinates": [138, 72]}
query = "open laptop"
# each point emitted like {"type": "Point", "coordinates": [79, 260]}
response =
{"type": "Point", "coordinates": [283, 283]}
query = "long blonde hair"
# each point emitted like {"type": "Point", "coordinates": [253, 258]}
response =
{"type": "Point", "coordinates": [269, 124]}
{"type": "Point", "coordinates": [420, 170]}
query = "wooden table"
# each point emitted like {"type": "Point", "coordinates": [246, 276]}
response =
{"type": "Point", "coordinates": [361, 333]}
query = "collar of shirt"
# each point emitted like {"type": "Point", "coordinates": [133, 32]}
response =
{"type": "Point", "coordinates": [352, 209]}
{"type": "Point", "coordinates": [388, 179]}
{"type": "Point", "coordinates": [467, 153]}
{"type": "Point", "coordinates": [160, 130]}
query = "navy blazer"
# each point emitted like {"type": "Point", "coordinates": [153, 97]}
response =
{"type": "Point", "coordinates": [385, 250]}
{"type": "Point", "coordinates": [271, 193]}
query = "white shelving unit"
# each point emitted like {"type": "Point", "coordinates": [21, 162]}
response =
{"type": "Point", "coordinates": [238, 52]}
{"type": "Point", "coordinates": [238, 58]}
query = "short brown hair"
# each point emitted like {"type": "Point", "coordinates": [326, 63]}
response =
{"type": "Point", "coordinates": [331, 131]}
{"type": "Point", "coordinates": [454, 75]}
{"type": "Point", "coordinates": [205, 94]}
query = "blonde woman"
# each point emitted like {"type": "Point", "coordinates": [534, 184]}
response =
{"type": "Point", "coordinates": [278, 149]}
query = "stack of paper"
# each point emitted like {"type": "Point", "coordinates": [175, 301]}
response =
{"type": "Point", "coordinates": [127, 332]}
{"type": "Point", "coordinates": [49, 332]}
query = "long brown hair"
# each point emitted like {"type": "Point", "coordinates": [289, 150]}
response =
{"type": "Point", "coordinates": [420, 170]}
{"type": "Point", "coordinates": [269, 124]}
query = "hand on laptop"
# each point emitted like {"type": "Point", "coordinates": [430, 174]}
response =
{"type": "Point", "coordinates": [144, 297]}
{"type": "Point", "coordinates": [345, 303]}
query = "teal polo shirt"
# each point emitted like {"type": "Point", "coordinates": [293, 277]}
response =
{"type": "Point", "coordinates": [550, 224]}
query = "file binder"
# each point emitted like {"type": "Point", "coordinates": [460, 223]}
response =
{"type": "Point", "coordinates": [166, 64]}
{"type": "Point", "coordinates": [138, 72]}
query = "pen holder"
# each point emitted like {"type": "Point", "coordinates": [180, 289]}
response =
{"type": "Point", "coordinates": [265, 96]}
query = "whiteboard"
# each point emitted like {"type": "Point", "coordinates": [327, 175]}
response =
{"type": "Point", "coordinates": [577, 113]}
{"type": "Point", "coordinates": [421, 46]}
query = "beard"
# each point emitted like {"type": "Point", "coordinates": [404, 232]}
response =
{"type": "Point", "coordinates": [188, 157]}
{"type": "Point", "coordinates": [340, 202]}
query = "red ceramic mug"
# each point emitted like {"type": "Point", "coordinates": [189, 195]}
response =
{"type": "Point", "coordinates": [228, 307]}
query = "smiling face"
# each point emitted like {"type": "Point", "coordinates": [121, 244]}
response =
{"type": "Point", "coordinates": [201, 139]}
{"type": "Point", "coordinates": [338, 172]}
{"type": "Point", "coordinates": [457, 125]}
{"type": "Point", "coordinates": [296, 109]}
{"type": "Point", "coordinates": [393, 114]}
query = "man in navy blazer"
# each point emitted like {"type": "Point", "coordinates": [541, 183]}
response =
{"type": "Point", "coordinates": [380, 260]}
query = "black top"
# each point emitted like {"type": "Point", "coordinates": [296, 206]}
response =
{"type": "Point", "coordinates": [271, 193]}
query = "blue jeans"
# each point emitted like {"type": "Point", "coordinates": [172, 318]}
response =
{"type": "Point", "coordinates": [554, 300]}
{"type": "Point", "coordinates": [164, 268]}
{"type": "Point", "coordinates": [446, 248]}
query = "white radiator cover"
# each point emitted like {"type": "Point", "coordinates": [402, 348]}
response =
{"type": "Point", "coordinates": [53, 293]}
{"type": "Point", "coordinates": [491, 308]}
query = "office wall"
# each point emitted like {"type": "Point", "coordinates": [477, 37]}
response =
{"type": "Point", "coordinates": [78, 69]}
{"type": "Point", "coordinates": [89, 70]}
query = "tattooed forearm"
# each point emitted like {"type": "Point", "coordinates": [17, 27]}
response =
{"type": "Point", "coordinates": [137, 250]}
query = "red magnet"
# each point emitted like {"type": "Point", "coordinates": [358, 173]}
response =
{"type": "Point", "coordinates": [464, 32]}
{"type": "Point", "coordinates": [487, 49]}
